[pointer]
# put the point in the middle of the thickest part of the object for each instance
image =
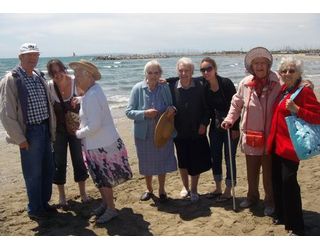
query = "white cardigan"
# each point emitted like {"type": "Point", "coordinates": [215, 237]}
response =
{"type": "Point", "coordinates": [96, 127]}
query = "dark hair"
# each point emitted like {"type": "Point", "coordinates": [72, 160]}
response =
{"type": "Point", "coordinates": [53, 62]}
{"type": "Point", "coordinates": [211, 61]}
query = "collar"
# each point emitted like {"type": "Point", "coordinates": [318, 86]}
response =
{"type": "Point", "coordinates": [192, 84]}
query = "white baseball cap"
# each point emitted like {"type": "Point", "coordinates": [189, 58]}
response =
{"type": "Point", "coordinates": [29, 48]}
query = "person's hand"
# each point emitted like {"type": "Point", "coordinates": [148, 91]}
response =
{"type": "Point", "coordinates": [226, 125]}
{"type": "Point", "coordinates": [75, 101]}
{"type": "Point", "coordinates": [162, 81]}
{"type": "Point", "coordinates": [171, 112]}
{"type": "Point", "coordinates": [307, 83]}
{"type": "Point", "coordinates": [151, 113]}
{"type": "Point", "coordinates": [291, 106]}
{"type": "Point", "coordinates": [235, 134]}
{"type": "Point", "coordinates": [24, 145]}
{"type": "Point", "coordinates": [202, 129]}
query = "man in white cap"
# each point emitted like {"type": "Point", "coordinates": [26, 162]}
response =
{"type": "Point", "coordinates": [27, 115]}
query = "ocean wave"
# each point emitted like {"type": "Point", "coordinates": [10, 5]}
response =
{"type": "Point", "coordinates": [118, 99]}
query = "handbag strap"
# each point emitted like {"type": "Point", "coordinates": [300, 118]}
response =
{"type": "Point", "coordinates": [294, 95]}
{"type": "Point", "coordinates": [60, 97]}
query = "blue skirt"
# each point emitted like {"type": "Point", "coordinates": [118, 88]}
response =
{"type": "Point", "coordinates": [153, 160]}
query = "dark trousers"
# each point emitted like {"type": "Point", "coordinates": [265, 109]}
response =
{"type": "Point", "coordinates": [37, 167]}
{"type": "Point", "coordinates": [219, 142]}
{"type": "Point", "coordinates": [286, 192]}
{"type": "Point", "coordinates": [60, 158]}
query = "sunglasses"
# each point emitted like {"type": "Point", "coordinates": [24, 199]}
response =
{"type": "Point", "coordinates": [291, 71]}
{"type": "Point", "coordinates": [208, 69]}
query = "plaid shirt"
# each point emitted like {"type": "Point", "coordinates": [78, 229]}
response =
{"type": "Point", "coordinates": [37, 109]}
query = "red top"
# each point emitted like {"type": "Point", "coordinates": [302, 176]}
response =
{"type": "Point", "coordinates": [279, 141]}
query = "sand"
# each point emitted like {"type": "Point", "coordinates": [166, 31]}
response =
{"type": "Point", "coordinates": [176, 217]}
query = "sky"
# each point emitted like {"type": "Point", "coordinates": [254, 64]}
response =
{"type": "Point", "coordinates": [71, 28]}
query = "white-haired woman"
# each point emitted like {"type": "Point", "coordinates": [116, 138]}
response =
{"type": "Point", "coordinates": [104, 152]}
{"type": "Point", "coordinates": [191, 121]}
{"type": "Point", "coordinates": [285, 163]}
{"type": "Point", "coordinates": [148, 100]}
{"type": "Point", "coordinates": [255, 97]}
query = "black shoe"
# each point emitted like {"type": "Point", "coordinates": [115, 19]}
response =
{"type": "Point", "coordinates": [213, 195]}
{"type": "Point", "coordinates": [163, 197]}
{"type": "Point", "coordinates": [50, 209]}
{"type": "Point", "coordinates": [38, 216]}
{"type": "Point", "coordinates": [146, 196]}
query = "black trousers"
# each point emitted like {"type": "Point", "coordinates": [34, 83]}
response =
{"type": "Point", "coordinates": [286, 192]}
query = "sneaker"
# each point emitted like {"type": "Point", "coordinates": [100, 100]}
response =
{"type": "Point", "coordinates": [99, 210]}
{"type": "Point", "coordinates": [268, 211]}
{"type": "Point", "coordinates": [184, 193]}
{"type": "Point", "coordinates": [108, 215]}
{"type": "Point", "coordinates": [246, 203]}
{"type": "Point", "coordinates": [194, 197]}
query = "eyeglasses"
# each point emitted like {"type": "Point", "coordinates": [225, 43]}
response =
{"type": "Point", "coordinates": [208, 69]}
{"type": "Point", "coordinates": [285, 71]}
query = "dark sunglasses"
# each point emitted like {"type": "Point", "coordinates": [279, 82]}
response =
{"type": "Point", "coordinates": [291, 71]}
{"type": "Point", "coordinates": [208, 69]}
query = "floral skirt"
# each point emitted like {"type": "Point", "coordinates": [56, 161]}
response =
{"type": "Point", "coordinates": [108, 166]}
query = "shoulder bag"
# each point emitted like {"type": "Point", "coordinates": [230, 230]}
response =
{"type": "Point", "coordinates": [305, 137]}
{"type": "Point", "coordinates": [72, 119]}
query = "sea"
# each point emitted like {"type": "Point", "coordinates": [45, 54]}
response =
{"type": "Point", "coordinates": [119, 76]}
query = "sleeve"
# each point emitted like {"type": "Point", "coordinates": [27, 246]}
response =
{"type": "Point", "coordinates": [231, 91]}
{"type": "Point", "coordinates": [9, 110]}
{"type": "Point", "coordinates": [94, 112]}
{"type": "Point", "coordinates": [309, 106]}
{"type": "Point", "coordinates": [132, 111]}
{"type": "Point", "coordinates": [236, 105]}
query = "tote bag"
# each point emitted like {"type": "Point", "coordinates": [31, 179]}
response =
{"type": "Point", "coordinates": [305, 137]}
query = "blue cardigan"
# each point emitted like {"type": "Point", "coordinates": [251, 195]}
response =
{"type": "Point", "coordinates": [137, 106]}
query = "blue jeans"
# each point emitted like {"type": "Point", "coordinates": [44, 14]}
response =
{"type": "Point", "coordinates": [218, 141]}
{"type": "Point", "coordinates": [37, 167]}
{"type": "Point", "coordinates": [60, 158]}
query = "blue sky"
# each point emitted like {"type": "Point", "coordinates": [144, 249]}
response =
{"type": "Point", "coordinates": [59, 34]}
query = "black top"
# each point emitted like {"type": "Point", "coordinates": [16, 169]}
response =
{"type": "Point", "coordinates": [192, 110]}
{"type": "Point", "coordinates": [219, 102]}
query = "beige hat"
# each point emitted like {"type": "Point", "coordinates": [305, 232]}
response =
{"type": "Point", "coordinates": [88, 66]}
{"type": "Point", "coordinates": [255, 53]}
{"type": "Point", "coordinates": [164, 130]}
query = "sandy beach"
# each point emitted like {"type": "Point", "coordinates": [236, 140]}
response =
{"type": "Point", "coordinates": [176, 217]}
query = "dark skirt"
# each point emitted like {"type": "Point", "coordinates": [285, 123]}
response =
{"type": "Point", "coordinates": [193, 154]}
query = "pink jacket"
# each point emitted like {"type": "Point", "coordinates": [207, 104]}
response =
{"type": "Point", "coordinates": [260, 110]}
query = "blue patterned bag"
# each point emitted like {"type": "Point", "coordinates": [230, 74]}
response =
{"type": "Point", "coordinates": [305, 137]}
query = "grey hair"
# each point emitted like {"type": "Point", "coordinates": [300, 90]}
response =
{"type": "Point", "coordinates": [290, 60]}
{"type": "Point", "coordinates": [151, 64]}
{"type": "Point", "coordinates": [185, 61]}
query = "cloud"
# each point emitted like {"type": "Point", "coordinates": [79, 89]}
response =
{"type": "Point", "coordinates": [61, 34]}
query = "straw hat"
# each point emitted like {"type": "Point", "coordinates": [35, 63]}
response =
{"type": "Point", "coordinates": [164, 130]}
{"type": "Point", "coordinates": [88, 66]}
{"type": "Point", "coordinates": [255, 53]}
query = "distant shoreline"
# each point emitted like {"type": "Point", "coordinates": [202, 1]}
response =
{"type": "Point", "coordinates": [111, 57]}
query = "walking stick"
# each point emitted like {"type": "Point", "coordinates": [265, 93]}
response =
{"type": "Point", "coordinates": [231, 172]}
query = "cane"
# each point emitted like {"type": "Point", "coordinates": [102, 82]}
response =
{"type": "Point", "coordinates": [231, 172]}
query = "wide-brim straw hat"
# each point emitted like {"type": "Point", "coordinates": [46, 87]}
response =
{"type": "Point", "coordinates": [255, 53]}
{"type": "Point", "coordinates": [88, 66]}
{"type": "Point", "coordinates": [164, 130]}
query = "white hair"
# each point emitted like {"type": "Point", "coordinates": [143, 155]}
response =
{"type": "Point", "coordinates": [290, 60]}
{"type": "Point", "coordinates": [185, 61]}
{"type": "Point", "coordinates": [150, 64]}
